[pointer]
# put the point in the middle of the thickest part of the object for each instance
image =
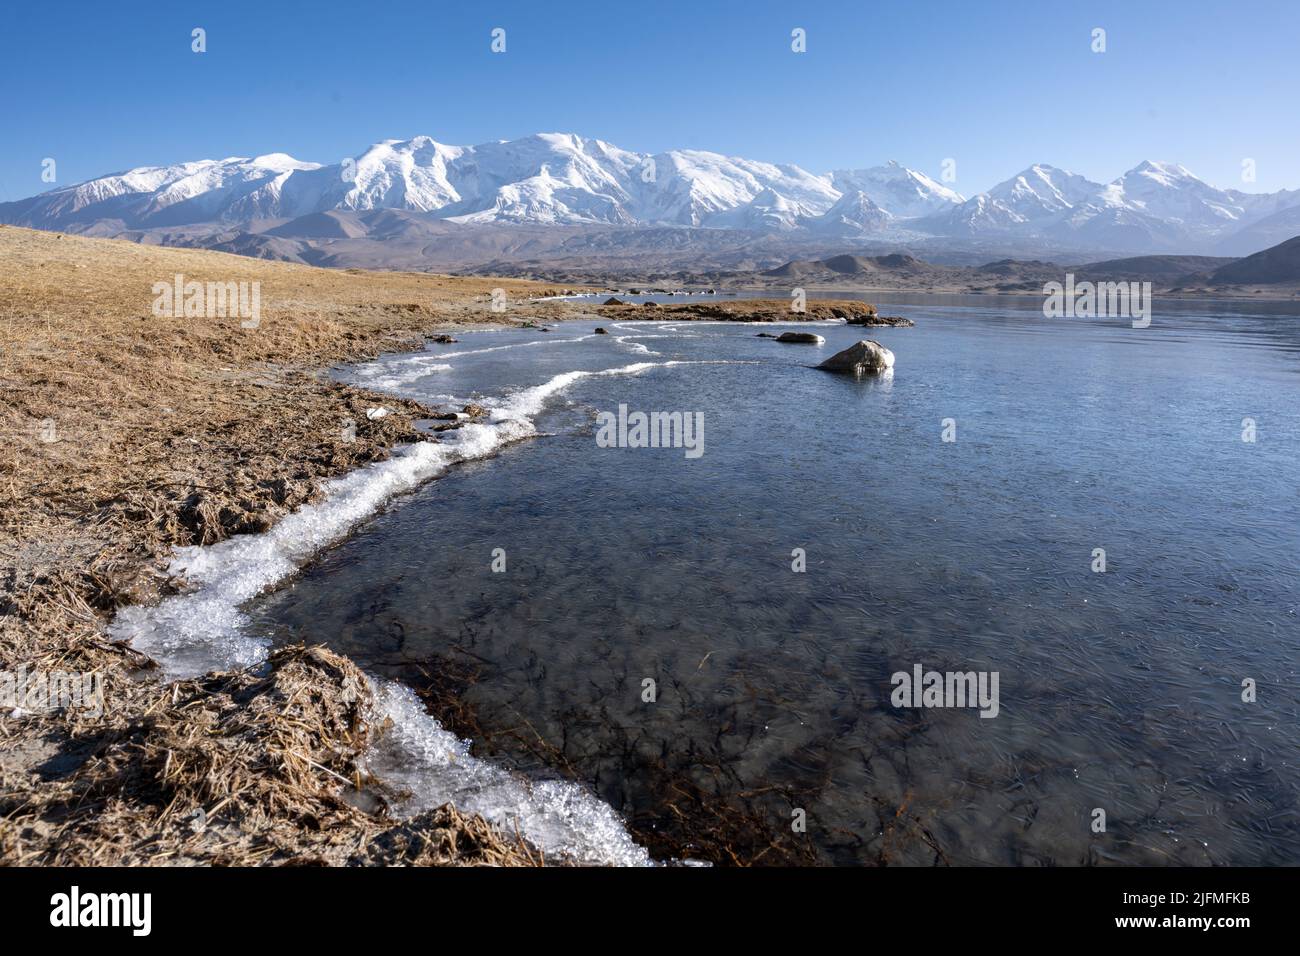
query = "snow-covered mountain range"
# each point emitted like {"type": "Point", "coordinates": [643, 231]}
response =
{"type": "Point", "coordinates": [1153, 206]}
{"type": "Point", "coordinates": [563, 179]}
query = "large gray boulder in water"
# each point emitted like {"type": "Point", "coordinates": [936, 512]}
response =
{"type": "Point", "coordinates": [864, 356]}
{"type": "Point", "coordinates": [803, 338]}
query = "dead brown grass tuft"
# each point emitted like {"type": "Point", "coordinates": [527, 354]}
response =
{"type": "Point", "coordinates": [240, 768]}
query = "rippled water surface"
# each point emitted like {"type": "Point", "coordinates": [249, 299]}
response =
{"type": "Point", "coordinates": [1119, 690]}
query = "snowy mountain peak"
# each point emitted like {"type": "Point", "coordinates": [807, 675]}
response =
{"type": "Point", "coordinates": [1167, 173]}
{"type": "Point", "coordinates": [1052, 186]}
{"type": "Point", "coordinates": [1170, 191]}
{"type": "Point", "coordinates": [854, 214]}
{"type": "Point", "coordinates": [1037, 194]}
{"type": "Point", "coordinates": [281, 161]}
{"type": "Point", "coordinates": [904, 193]}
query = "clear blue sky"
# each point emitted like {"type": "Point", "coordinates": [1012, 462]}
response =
{"type": "Point", "coordinates": [994, 84]}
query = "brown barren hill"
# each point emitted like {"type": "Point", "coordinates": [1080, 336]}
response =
{"type": "Point", "coordinates": [126, 434]}
{"type": "Point", "coordinates": [1278, 264]}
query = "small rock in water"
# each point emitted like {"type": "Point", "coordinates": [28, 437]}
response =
{"type": "Point", "coordinates": [600, 331]}
{"type": "Point", "coordinates": [873, 319]}
{"type": "Point", "coordinates": [474, 410]}
{"type": "Point", "coordinates": [612, 300]}
{"type": "Point", "coordinates": [801, 338]}
{"type": "Point", "coordinates": [765, 335]}
{"type": "Point", "coordinates": [443, 339]}
{"type": "Point", "coordinates": [863, 356]}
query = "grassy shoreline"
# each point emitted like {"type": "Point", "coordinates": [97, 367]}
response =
{"type": "Point", "coordinates": [127, 435]}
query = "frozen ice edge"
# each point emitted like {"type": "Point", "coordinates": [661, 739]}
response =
{"type": "Point", "coordinates": [205, 629]}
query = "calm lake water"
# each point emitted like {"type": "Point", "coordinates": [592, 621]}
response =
{"type": "Point", "coordinates": [1119, 691]}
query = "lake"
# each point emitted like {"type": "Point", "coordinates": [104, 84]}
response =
{"type": "Point", "coordinates": [1104, 517]}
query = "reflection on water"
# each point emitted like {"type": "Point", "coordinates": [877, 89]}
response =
{"type": "Point", "coordinates": [1119, 690]}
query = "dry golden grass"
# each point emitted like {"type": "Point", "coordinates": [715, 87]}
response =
{"type": "Point", "coordinates": [242, 769]}
{"type": "Point", "coordinates": [167, 432]}
{"type": "Point", "coordinates": [139, 401]}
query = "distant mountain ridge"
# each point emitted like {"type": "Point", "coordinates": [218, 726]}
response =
{"type": "Point", "coordinates": [1278, 266]}
{"type": "Point", "coordinates": [560, 179]}
{"type": "Point", "coordinates": [1154, 206]}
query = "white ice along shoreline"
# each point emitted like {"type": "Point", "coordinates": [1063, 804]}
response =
{"type": "Point", "coordinates": [205, 629]}
{"type": "Point", "coordinates": [411, 368]}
